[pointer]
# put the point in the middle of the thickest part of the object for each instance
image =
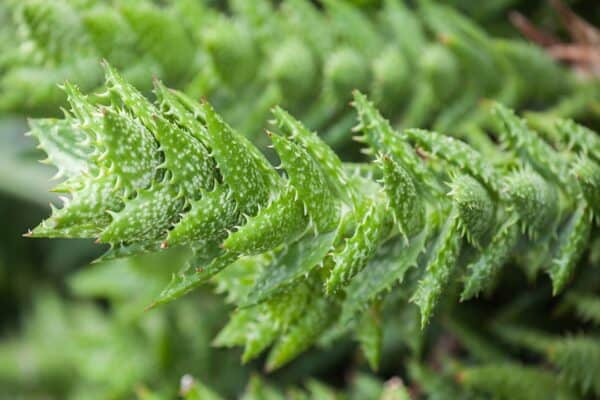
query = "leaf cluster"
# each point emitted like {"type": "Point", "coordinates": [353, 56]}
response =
{"type": "Point", "coordinates": [314, 249]}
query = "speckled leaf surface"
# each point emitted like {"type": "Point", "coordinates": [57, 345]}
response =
{"type": "Point", "coordinates": [326, 158]}
{"type": "Point", "coordinates": [381, 274]}
{"type": "Point", "coordinates": [295, 261]}
{"type": "Point", "coordinates": [407, 207]}
{"type": "Point", "coordinates": [282, 221]}
{"type": "Point", "coordinates": [241, 164]}
{"type": "Point", "coordinates": [66, 146]}
{"type": "Point", "coordinates": [208, 218]}
{"type": "Point", "coordinates": [309, 181]}
{"type": "Point", "coordinates": [439, 269]}
{"type": "Point", "coordinates": [476, 210]}
{"type": "Point", "coordinates": [358, 249]}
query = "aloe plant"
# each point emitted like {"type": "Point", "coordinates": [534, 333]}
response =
{"type": "Point", "coordinates": [427, 232]}
{"type": "Point", "coordinates": [322, 240]}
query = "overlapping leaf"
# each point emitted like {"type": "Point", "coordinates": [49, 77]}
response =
{"type": "Point", "coordinates": [324, 242]}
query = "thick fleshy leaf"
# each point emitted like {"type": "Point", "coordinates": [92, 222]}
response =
{"type": "Point", "coordinates": [273, 318]}
{"type": "Point", "coordinates": [193, 276]}
{"type": "Point", "coordinates": [315, 320]}
{"type": "Point", "coordinates": [282, 221]}
{"type": "Point", "coordinates": [129, 151]}
{"type": "Point", "coordinates": [534, 199]}
{"type": "Point", "coordinates": [491, 259]}
{"type": "Point", "coordinates": [358, 249]}
{"type": "Point", "coordinates": [587, 173]}
{"type": "Point", "coordinates": [382, 273]}
{"type": "Point", "coordinates": [531, 147]}
{"type": "Point", "coordinates": [243, 167]}
{"type": "Point", "coordinates": [296, 260]}
{"type": "Point", "coordinates": [404, 201]}
{"type": "Point", "coordinates": [237, 280]}
{"type": "Point", "coordinates": [207, 220]}
{"type": "Point", "coordinates": [439, 269]}
{"type": "Point", "coordinates": [145, 217]}
{"type": "Point", "coordinates": [309, 181]}
{"type": "Point", "coordinates": [67, 147]}
{"type": "Point", "coordinates": [258, 326]}
{"type": "Point", "coordinates": [370, 336]}
{"type": "Point", "coordinates": [580, 138]}
{"type": "Point", "coordinates": [571, 244]}
{"type": "Point", "coordinates": [85, 214]}
{"type": "Point", "coordinates": [476, 211]}
{"type": "Point", "coordinates": [456, 153]}
{"type": "Point", "coordinates": [379, 135]}
{"type": "Point", "coordinates": [123, 92]}
{"type": "Point", "coordinates": [326, 158]}
{"type": "Point", "coordinates": [177, 107]}
{"type": "Point", "coordinates": [189, 165]}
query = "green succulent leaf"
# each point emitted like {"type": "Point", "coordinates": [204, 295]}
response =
{"type": "Point", "coordinates": [475, 208]}
{"type": "Point", "coordinates": [486, 266]}
{"type": "Point", "coordinates": [309, 181]}
{"type": "Point", "coordinates": [360, 248]}
{"type": "Point", "coordinates": [382, 273]}
{"type": "Point", "coordinates": [369, 335]}
{"type": "Point", "coordinates": [296, 261]}
{"type": "Point", "coordinates": [439, 269]}
{"type": "Point", "coordinates": [404, 201]}
{"type": "Point", "coordinates": [316, 319]}
{"type": "Point", "coordinates": [571, 244]}
{"type": "Point", "coordinates": [282, 221]}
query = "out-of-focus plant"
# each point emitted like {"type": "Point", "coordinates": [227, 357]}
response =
{"type": "Point", "coordinates": [411, 60]}
{"type": "Point", "coordinates": [78, 350]}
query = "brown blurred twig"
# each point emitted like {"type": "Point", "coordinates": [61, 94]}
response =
{"type": "Point", "coordinates": [582, 52]}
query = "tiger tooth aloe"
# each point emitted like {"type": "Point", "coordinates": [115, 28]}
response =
{"type": "Point", "coordinates": [321, 242]}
